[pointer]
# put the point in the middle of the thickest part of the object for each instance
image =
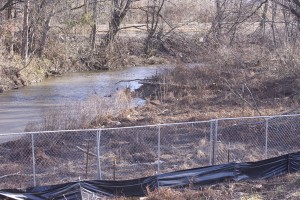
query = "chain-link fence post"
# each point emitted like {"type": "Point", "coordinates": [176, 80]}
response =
{"type": "Point", "coordinates": [266, 137]}
{"type": "Point", "coordinates": [213, 141]}
{"type": "Point", "coordinates": [99, 174]}
{"type": "Point", "coordinates": [33, 160]}
{"type": "Point", "coordinates": [158, 151]}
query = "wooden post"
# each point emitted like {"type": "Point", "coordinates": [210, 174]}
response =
{"type": "Point", "coordinates": [87, 159]}
{"type": "Point", "coordinates": [114, 168]}
{"type": "Point", "coordinates": [228, 153]}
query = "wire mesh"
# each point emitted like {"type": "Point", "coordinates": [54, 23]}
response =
{"type": "Point", "coordinates": [240, 140]}
{"type": "Point", "coordinates": [65, 156]}
{"type": "Point", "coordinates": [16, 168]}
{"type": "Point", "coordinates": [184, 146]}
{"type": "Point", "coordinates": [55, 157]}
{"type": "Point", "coordinates": [283, 135]}
{"type": "Point", "coordinates": [128, 153]}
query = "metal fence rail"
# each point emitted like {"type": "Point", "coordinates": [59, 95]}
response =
{"type": "Point", "coordinates": [53, 157]}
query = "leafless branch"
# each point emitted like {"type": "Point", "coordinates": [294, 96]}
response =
{"type": "Point", "coordinates": [8, 175]}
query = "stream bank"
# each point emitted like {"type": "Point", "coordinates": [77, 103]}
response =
{"type": "Point", "coordinates": [14, 76]}
{"type": "Point", "coordinates": [32, 103]}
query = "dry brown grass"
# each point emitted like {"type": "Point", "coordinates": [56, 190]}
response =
{"type": "Point", "coordinates": [95, 111]}
{"type": "Point", "coordinates": [285, 187]}
{"type": "Point", "coordinates": [204, 92]}
{"type": "Point", "coordinates": [237, 84]}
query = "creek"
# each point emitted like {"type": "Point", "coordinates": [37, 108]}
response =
{"type": "Point", "coordinates": [24, 105]}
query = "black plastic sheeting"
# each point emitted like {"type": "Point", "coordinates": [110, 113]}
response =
{"type": "Point", "coordinates": [179, 179]}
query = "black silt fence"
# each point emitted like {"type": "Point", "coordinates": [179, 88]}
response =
{"type": "Point", "coordinates": [196, 177]}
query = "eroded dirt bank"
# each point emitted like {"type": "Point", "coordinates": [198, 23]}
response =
{"type": "Point", "coordinates": [13, 75]}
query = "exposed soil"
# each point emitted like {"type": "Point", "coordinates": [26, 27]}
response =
{"type": "Point", "coordinates": [13, 76]}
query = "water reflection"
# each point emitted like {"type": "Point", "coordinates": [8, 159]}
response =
{"type": "Point", "coordinates": [18, 107]}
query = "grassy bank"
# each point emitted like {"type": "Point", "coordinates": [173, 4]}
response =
{"type": "Point", "coordinates": [195, 92]}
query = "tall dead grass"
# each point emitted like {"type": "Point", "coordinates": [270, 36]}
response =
{"type": "Point", "coordinates": [284, 187]}
{"type": "Point", "coordinates": [251, 84]}
{"type": "Point", "coordinates": [92, 112]}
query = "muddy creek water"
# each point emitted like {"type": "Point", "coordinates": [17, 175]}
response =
{"type": "Point", "coordinates": [18, 107]}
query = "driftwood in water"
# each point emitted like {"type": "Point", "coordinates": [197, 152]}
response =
{"type": "Point", "coordinates": [167, 84]}
{"type": "Point", "coordinates": [150, 82]}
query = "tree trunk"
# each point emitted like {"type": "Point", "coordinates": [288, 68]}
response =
{"type": "Point", "coordinates": [86, 6]}
{"type": "Point", "coordinates": [44, 36]}
{"type": "Point", "coordinates": [263, 19]}
{"type": "Point", "coordinates": [7, 5]}
{"type": "Point", "coordinates": [94, 28]}
{"type": "Point", "coordinates": [11, 29]}
{"type": "Point", "coordinates": [153, 18]}
{"type": "Point", "coordinates": [9, 10]}
{"type": "Point", "coordinates": [264, 14]}
{"type": "Point", "coordinates": [119, 11]}
{"type": "Point", "coordinates": [218, 19]}
{"type": "Point", "coordinates": [25, 40]}
{"type": "Point", "coordinates": [273, 25]}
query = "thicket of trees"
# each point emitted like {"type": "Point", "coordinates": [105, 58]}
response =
{"type": "Point", "coordinates": [88, 31]}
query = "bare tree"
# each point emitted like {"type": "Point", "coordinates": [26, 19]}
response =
{"type": "Point", "coordinates": [218, 18]}
{"type": "Point", "coordinates": [10, 8]}
{"type": "Point", "coordinates": [86, 6]}
{"type": "Point", "coordinates": [153, 19]}
{"type": "Point", "coordinates": [273, 24]}
{"type": "Point", "coordinates": [264, 19]}
{"type": "Point", "coordinates": [292, 5]}
{"type": "Point", "coordinates": [9, 4]}
{"type": "Point", "coordinates": [40, 23]}
{"type": "Point", "coordinates": [45, 11]}
{"type": "Point", "coordinates": [25, 37]}
{"type": "Point", "coordinates": [291, 15]}
{"type": "Point", "coordinates": [118, 12]}
{"type": "Point", "coordinates": [94, 28]}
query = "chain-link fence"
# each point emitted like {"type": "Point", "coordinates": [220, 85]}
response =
{"type": "Point", "coordinates": [43, 158]}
